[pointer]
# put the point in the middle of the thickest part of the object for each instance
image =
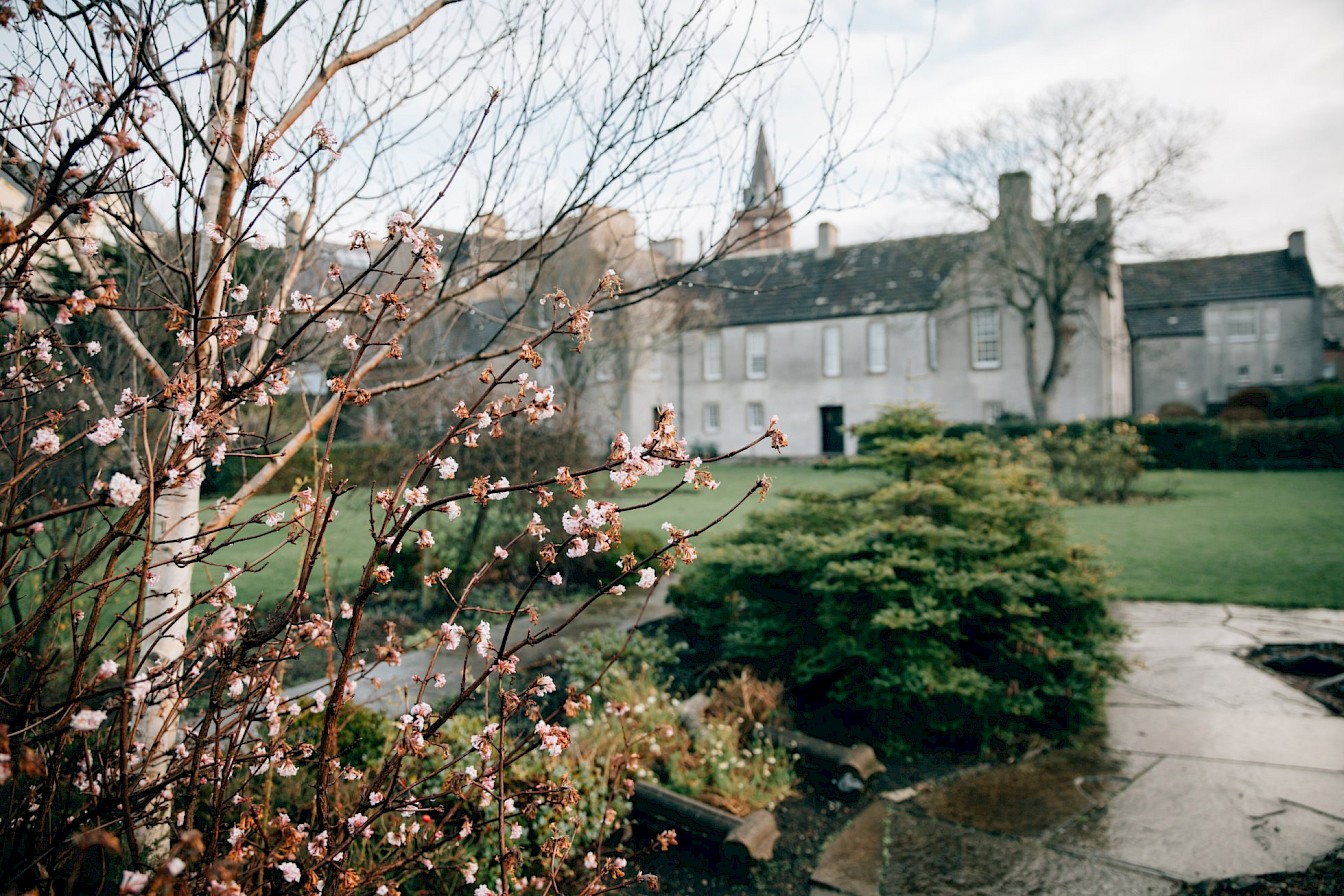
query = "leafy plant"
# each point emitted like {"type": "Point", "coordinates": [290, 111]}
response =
{"type": "Point", "coordinates": [945, 608]}
{"type": "Point", "coordinates": [1095, 462]}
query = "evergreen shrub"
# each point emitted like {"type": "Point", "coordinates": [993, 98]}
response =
{"type": "Point", "coordinates": [945, 608]}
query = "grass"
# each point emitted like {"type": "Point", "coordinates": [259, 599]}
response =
{"type": "Point", "coordinates": [1253, 538]}
{"type": "Point", "coordinates": [349, 541]}
{"type": "Point", "coordinates": [1249, 538]}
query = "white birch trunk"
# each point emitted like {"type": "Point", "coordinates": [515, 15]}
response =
{"type": "Point", "coordinates": [166, 612]}
{"type": "Point", "coordinates": [168, 601]}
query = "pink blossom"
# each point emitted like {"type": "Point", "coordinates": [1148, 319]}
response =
{"type": "Point", "coordinates": [108, 430]}
{"type": "Point", "coordinates": [93, 347]}
{"type": "Point", "coordinates": [133, 881]}
{"type": "Point", "coordinates": [483, 638]}
{"type": "Point", "coordinates": [351, 341]}
{"type": "Point", "coordinates": [426, 539]}
{"type": "Point", "coordinates": [501, 553]}
{"type": "Point", "coordinates": [122, 490]}
{"type": "Point", "coordinates": [451, 635]}
{"type": "Point", "coordinates": [647, 577]}
{"type": "Point", "coordinates": [447, 467]}
{"type": "Point", "coordinates": [87, 720]}
{"type": "Point", "coordinates": [290, 872]}
{"type": "Point", "coordinates": [333, 324]}
{"type": "Point", "coordinates": [45, 441]}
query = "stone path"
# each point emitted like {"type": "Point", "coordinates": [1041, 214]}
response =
{"type": "Point", "coordinates": [396, 688]}
{"type": "Point", "coordinates": [1210, 768]}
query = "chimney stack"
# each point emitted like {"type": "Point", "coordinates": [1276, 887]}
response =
{"type": "Point", "coordinates": [491, 226]}
{"type": "Point", "coordinates": [1015, 196]}
{"type": "Point", "coordinates": [827, 238]}
{"type": "Point", "coordinates": [670, 249]}
{"type": "Point", "coordinates": [1104, 210]}
{"type": "Point", "coordinates": [1297, 245]}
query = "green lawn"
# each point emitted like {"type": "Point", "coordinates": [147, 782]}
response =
{"type": "Point", "coordinates": [1255, 538]}
{"type": "Point", "coordinates": [349, 541]}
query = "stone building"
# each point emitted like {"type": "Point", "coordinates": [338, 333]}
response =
{"type": "Point", "coordinates": [825, 338]}
{"type": "Point", "coordinates": [1203, 328]}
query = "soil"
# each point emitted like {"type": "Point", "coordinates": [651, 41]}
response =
{"type": "Point", "coordinates": [806, 824]}
{"type": "Point", "coordinates": [809, 821]}
{"type": "Point", "coordinates": [1316, 670]}
{"type": "Point", "coordinates": [1325, 877]}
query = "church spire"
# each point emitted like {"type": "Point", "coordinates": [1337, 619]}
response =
{"type": "Point", "coordinates": [763, 191]}
{"type": "Point", "coordinates": [763, 223]}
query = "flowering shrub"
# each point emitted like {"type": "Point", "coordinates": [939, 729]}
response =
{"type": "Point", "coordinates": [720, 761]}
{"type": "Point", "coordinates": [1095, 462]}
{"type": "Point", "coordinates": [945, 608]}
{"type": "Point", "coordinates": [151, 737]}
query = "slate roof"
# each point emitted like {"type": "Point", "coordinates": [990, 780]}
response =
{"type": "Point", "coordinates": [886, 277]}
{"type": "Point", "coordinates": [1226, 278]}
{"type": "Point", "coordinates": [1175, 320]}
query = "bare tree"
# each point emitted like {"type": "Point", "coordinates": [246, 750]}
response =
{"type": "Point", "coordinates": [216, 147]}
{"type": "Point", "coordinates": [1080, 144]}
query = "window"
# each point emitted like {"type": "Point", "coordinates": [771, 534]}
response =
{"type": "Point", "coordinates": [1241, 325]}
{"type": "Point", "coordinates": [1269, 319]}
{"type": "Point", "coordinates": [756, 354]}
{"type": "Point", "coordinates": [877, 347]}
{"type": "Point", "coordinates": [605, 368]}
{"type": "Point", "coordinates": [830, 351]}
{"type": "Point", "coordinates": [1277, 374]}
{"type": "Point", "coordinates": [1213, 325]}
{"type": "Point", "coordinates": [712, 417]}
{"type": "Point", "coordinates": [713, 359]}
{"type": "Point", "coordinates": [1243, 373]}
{"type": "Point", "coordinates": [1182, 384]}
{"type": "Point", "coordinates": [992, 410]}
{"type": "Point", "coordinates": [755, 416]}
{"type": "Point", "coordinates": [985, 345]}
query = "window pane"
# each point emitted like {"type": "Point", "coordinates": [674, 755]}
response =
{"type": "Point", "coordinates": [830, 351]}
{"type": "Point", "coordinates": [1270, 317]}
{"type": "Point", "coordinates": [756, 355]}
{"type": "Point", "coordinates": [1241, 325]}
{"type": "Point", "coordinates": [755, 416]}
{"type": "Point", "coordinates": [877, 347]}
{"type": "Point", "coordinates": [713, 356]}
{"type": "Point", "coordinates": [985, 337]}
{"type": "Point", "coordinates": [712, 417]}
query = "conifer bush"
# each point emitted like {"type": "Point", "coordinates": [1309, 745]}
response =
{"type": "Point", "coordinates": [943, 609]}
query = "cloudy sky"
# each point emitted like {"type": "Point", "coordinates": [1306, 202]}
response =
{"type": "Point", "coordinates": [1271, 71]}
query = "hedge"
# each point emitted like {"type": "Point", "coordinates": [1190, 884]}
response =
{"type": "Point", "coordinates": [1201, 444]}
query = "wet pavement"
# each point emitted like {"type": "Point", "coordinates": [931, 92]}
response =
{"type": "Point", "coordinates": [1209, 768]}
{"type": "Point", "coordinates": [392, 690]}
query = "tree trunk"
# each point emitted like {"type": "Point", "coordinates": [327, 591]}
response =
{"type": "Point", "coordinates": [1040, 404]}
{"type": "Point", "coordinates": [166, 611]}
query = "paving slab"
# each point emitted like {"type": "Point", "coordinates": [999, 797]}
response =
{"type": "Point", "coordinates": [1198, 819]}
{"type": "Point", "coordinates": [1229, 735]}
{"type": "Point", "coordinates": [1307, 627]}
{"type": "Point", "coordinates": [1034, 797]}
{"type": "Point", "coordinates": [852, 862]}
{"type": "Point", "coordinates": [1207, 679]}
{"type": "Point", "coordinates": [1210, 768]}
{"type": "Point", "coordinates": [931, 857]}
